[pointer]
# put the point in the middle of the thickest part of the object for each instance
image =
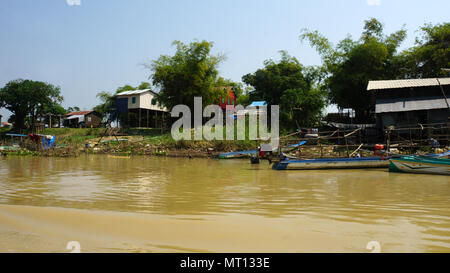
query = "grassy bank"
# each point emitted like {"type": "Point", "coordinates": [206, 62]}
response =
{"type": "Point", "coordinates": [151, 142]}
{"type": "Point", "coordinates": [134, 141]}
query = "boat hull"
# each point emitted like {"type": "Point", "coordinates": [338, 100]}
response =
{"type": "Point", "coordinates": [419, 164]}
{"type": "Point", "coordinates": [332, 163]}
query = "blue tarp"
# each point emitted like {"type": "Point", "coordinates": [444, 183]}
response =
{"type": "Point", "coordinates": [17, 135]}
{"type": "Point", "coordinates": [48, 143]}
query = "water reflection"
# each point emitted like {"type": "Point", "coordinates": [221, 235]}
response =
{"type": "Point", "coordinates": [171, 186]}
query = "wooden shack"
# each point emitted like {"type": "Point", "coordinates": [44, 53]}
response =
{"type": "Point", "coordinates": [82, 119]}
{"type": "Point", "coordinates": [412, 105]}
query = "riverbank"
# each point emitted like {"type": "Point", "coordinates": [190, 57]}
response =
{"type": "Point", "coordinates": [137, 141]}
{"type": "Point", "coordinates": [152, 142]}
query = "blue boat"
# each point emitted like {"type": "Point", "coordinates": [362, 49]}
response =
{"type": "Point", "coordinates": [250, 153]}
{"type": "Point", "coordinates": [331, 163]}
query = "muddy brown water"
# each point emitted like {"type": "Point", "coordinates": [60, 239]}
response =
{"type": "Point", "coordinates": [157, 204]}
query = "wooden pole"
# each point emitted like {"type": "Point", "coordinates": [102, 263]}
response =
{"type": "Point", "coordinates": [139, 123]}
{"type": "Point", "coordinates": [162, 125]}
{"type": "Point", "coordinates": [320, 146]}
{"type": "Point", "coordinates": [356, 149]}
{"type": "Point", "coordinates": [443, 93]}
{"type": "Point", "coordinates": [388, 141]}
{"type": "Point", "coordinates": [346, 145]}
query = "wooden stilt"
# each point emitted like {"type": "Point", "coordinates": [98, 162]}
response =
{"type": "Point", "coordinates": [139, 123]}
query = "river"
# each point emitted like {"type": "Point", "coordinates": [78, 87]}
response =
{"type": "Point", "coordinates": [156, 204]}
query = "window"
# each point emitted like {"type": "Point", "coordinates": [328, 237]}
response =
{"type": "Point", "coordinates": [89, 119]}
{"type": "Point", "coordinates": [153, 101]}
{"type": "Point", "coordinates": [133, 100]}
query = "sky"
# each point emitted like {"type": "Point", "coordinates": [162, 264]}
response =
{"type": "Point", "coordinates": [89, 46]}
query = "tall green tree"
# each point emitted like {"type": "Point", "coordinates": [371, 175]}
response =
{"type": "Point", "coordinates": [27, 98]}
{"type": "Point", "coordinates": [348, 67]}
{"type": "Point", "coordinates": [430, 54]}
{"type": "Point", "coordinates": [72, 109]}
{"type": "Point", "coordinates": [290, 85]}
{"type": "Point", "coordinates": [190, 72]}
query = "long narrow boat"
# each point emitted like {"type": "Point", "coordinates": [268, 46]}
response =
{"type": "Point", "coordinates": [420, 164]}
{"type": "Point", "coordinates": [249, 153]}
{"type": "Point", "coordinates": [331, 163]}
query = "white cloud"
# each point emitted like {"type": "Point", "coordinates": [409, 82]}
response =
{"type": "Point", "coordinates": [373, 2]}
{"type": "Point", "coordinates": [73, 2]}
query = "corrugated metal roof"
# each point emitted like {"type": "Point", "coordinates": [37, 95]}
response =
{"type": "Point", "coordinates": [258, 103]}
{"type": "Point", "coordinates": [79, 117]}
{"type": "Point", "coordinates": [79, 113]}
{"type": "Point", "coordinates": [394, 84]}
{"type": "Point", "coordinates": [134, 92]}
{"type": "Point", "coordinates": [401, 105]}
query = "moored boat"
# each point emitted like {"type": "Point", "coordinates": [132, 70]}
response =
{"type": "Point", "coordinates": [420, 164]}
{"type": "Point", "coordinates": [331, 163]}
{"type": "Point", "coordinates": [251, 153]}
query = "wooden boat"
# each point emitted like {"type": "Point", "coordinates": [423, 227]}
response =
{"type": "Point", "coordinates": [251, 153]}
{"type": "Point", "coordinates": [237, 154]}
{"type": "Point", "coordinates": [331, 163]}
{"type": "Point", "coordinates": [420, 164]}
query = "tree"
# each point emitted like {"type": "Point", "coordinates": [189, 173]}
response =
{"type": "Point", "coordinates": [430, 54]}
{"type": "Point", "coordinates": [190, 72]}
{"type": "Point", "coordinates": [348, 67]}
{"type": "Point", "coordinates": [107, 105]}
{"type": "Point", "coordinates": [72, 109]}
{"type": "Point", "coordinates": [27, 98]}
{"type": "Point", "coordinates": [124, 88]}
{"type": "Point", "coordinates": [144, 85]}
{"type": "Point", "coordinates": [291, 86]}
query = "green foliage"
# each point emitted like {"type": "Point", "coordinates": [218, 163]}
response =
{"type": "Point", "coordinates": [288, 84]}
{"type": "Point", "coordinates": [430, 55]}
{"type": "Point", "coordinates": [348, 67]}
{"type": "Point", "coordinates": [238, 88]}
{"type": "Point", "coordinates": [144, 85]}
{"type": "Point", "coordinates": [29, 98]}
{"type": "Point", "coordinates": [107, 104]}
{"type": "Point", "coordinates": [303, 106]}
{"type": "Point", "coordinates": [191, 71]}
{"type": "Point", "coordinates": [124, 88]}
{"type": "Point", "coordinates": [244, 98]}
{"type": "Point", "coordinates": [73, 109]}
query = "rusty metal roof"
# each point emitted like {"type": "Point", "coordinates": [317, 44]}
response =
{"type": "Point", "coordinates": [79, 113]}
{"type": "Point", "coordinates": [395, 84]}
